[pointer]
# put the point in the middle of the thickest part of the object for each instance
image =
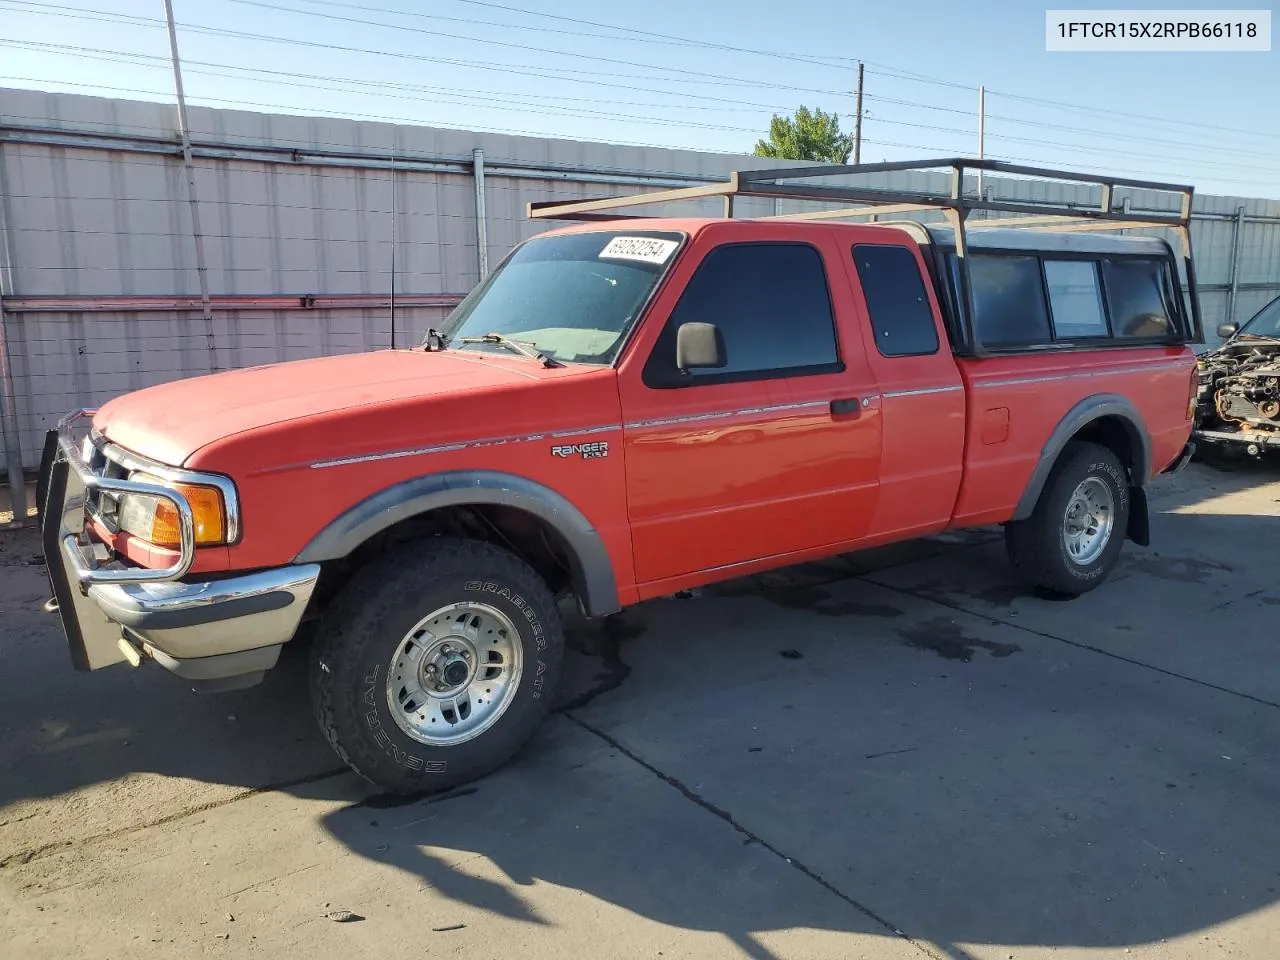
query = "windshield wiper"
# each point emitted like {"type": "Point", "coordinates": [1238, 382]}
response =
{"type": "Point", "coordinates": [520, 347]}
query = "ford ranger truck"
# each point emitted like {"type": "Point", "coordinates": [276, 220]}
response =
{"type": "Point", "coordinates": [621, 411]}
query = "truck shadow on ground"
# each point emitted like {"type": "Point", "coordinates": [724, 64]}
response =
{"type": "Point", "coordinates": [1029, 792]}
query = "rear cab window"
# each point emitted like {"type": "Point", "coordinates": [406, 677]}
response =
{"type": "Point", "coordinates": [1139, 297]}
{"type": "Point", "coordinates": [1075, 298]}
{"type": "Point", "coordinates": [897, 302]}
{"type": "Point", "coordinates": [1028, 300]}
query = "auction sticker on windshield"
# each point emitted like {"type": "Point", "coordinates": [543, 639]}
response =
{"type": "Point", "coordinates": [644, 249]}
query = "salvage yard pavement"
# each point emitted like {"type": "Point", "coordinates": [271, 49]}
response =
{"type": "Point", "coordinates": [892, 754]}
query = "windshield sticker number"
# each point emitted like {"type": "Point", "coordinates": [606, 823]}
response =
{"type": "Point", "coordinates": [644, 249]}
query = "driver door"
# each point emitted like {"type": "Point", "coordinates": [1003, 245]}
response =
{"type": "Point", "coordinates": [771, 455]}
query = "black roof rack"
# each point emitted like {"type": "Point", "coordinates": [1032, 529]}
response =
{"type": "Point", "coordinates": [955, 203]}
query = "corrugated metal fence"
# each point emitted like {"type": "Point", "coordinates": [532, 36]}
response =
{"type": "Point", "coordinates": [326, 235]}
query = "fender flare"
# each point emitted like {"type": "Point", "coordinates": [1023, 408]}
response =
{"type": "Point", "coordinates": [589, 562]}
{"type": "Point", "coordinates": [1081, 415]}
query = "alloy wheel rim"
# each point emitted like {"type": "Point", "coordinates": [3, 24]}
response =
{"type": "Point", "coordinates": [454, 674]}
{"type": "Point", "coordinates": [1088, 522]}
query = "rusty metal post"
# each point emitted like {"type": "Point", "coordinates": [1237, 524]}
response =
{"type": "Point", "coordinates": [482, 223]}
{"type": "Point", "coordinates": [982, 133]}
{"type": "Point", "coordinates": [197, 234]}
{"type": "Point", "coordinates": [1237, 234]}
{"type": "Point", "coordinates": [857, 121]}
{"type": "Point", "coordinates": [9, 426]}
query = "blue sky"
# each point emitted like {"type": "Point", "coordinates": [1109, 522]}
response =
{"type": "Point", "coordinates": [1208, 119]}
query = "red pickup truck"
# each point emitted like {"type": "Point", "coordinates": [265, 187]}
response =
{"type": "Point", "coordinates": [624, 409]}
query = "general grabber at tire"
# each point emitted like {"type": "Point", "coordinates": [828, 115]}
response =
{"type": "Point", "coordinates": [1073, 538]}
{"type": "Point", "coordinates": [436, 664]}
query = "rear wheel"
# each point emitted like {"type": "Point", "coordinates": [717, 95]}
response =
{"type": "Point", "coordinates": [1072, 539]}
{"type": "Point", "coordinates": [437, 664]}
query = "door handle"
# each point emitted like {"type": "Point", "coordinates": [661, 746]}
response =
{"type": "Point", "coordinates": [845, 406]}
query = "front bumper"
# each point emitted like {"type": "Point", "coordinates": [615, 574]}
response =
{"type": "Point", "coordinates": [214, 631]}
{"type": "Point", "coordinates": [1253, 441]}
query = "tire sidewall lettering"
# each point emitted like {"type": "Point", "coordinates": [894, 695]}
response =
{"type": "Point", "coordinates": [517, 601]}
{"type": "Point", "coordinates": [411, 762]}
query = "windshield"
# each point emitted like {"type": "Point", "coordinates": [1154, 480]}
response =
{"type": "Point", "coordinates": [571, 297]}
{"type": "Point", "coordinates": [1266, 322]}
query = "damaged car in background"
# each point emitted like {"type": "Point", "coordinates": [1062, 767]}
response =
{"type": "Point", "coordinates": [1239, 400]}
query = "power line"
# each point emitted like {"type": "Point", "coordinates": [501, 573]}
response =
{"type": "Point", "coordinates": [882, 69]}
{"type": "Point", "coordinates": [815, 59]}
{"type": "Point", "coordinates": [1109, 150]}
{"type": "Point", "coordinates": [83, 13]}
{"type": "Point", "coordinates": [432, 95]}
{"type": "Point", "coordinates": [364, 21]}
{"type": "Point", "coordinates": [567, 111]}
{"type": "Point", "coordinates": [652, 36]}
{"type": "Point", "coordinates": [1140, 137]}
{"type": "Point", "coordinates": [741, 107]}
{"type": "Point", "coordinates": [897, 74]}
{"type": "Point", "coordinates": [552, 30]}
{"type": "Point", "coordinates": [553, 110]}
{"type": "Point", "coordinates": [885, 71]}
{"type": "Point", "coordinates": [1132, 116]}
{"type": "Point", "coordinates": [108, 54]}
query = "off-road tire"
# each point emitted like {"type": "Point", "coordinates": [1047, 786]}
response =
{"type": "Point", "coordinates": [1035, 545]}
{"type": "Point", "coordinates": [370, 618]}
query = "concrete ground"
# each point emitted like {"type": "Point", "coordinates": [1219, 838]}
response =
{"type": "Point", "coordinates": [6, 501]}
{"type": "Point", "coordinates": [892, 755]}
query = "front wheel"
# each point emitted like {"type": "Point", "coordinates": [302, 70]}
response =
{"type": "Point", "coordinates": [1073, 538]}
{"type": "Point", "coordinates": [436, 664]}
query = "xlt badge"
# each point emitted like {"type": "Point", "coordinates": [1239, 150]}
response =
{"type": "Point", "coordinates": [597, 450]}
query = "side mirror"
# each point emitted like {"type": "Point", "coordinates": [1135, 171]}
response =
{"type": "Point", "coordinates": [1226, 330]}
{"type": "Point", "coordinates": [699, 346]}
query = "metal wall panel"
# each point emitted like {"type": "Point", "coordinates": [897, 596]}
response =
{"type": "Point", "coordinates": [325, 215]}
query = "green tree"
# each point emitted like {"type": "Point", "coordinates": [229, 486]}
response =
{"type": "Point", "coordinates": [807, 136]}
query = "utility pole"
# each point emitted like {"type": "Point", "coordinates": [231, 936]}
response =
{"type": "Point", "coordinates": [197, 235]}
{"type": "Point", "coordinates": [857, 121]}
{"type": "Point", "coordinates": [982, 121]}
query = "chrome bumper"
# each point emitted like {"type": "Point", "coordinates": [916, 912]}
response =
{"type": "Point", "coordinates": [232, 627]}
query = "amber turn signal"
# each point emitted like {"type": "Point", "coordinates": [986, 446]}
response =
{"type": "Point", "coordinates": [155, 519]}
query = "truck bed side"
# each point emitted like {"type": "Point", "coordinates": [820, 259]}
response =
{"type": "Point", "coordinates": [1016, 406]}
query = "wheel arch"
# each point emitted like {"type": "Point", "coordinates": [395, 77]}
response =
{"type": "Point", "coordinates": [590, 569]}
{"type": "Point", "coordinates": [1108, 419]}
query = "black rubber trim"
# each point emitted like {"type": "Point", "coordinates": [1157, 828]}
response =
{"type": "Point", "coordinates": [1139, 530]}
{"type": "Point", "coordinates": [1083, 413]}
{"type": "Point", "coordinates": [592, 570]}
{"type": "Point", "coordinates": [47, 457]}
{"type": "Point", "coordinates": [145, 621]}
{"type": "Point", "coordinates": [56, 565]}
{"type": "Point", "coordinates": [1183, 459]}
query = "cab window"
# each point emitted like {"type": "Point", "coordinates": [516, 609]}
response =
{"type": "Point", "coordinates": [1027, 301]}
{"type": "Point", "coordinates": [901, 317]}
{"type": "Point", "coordinates": [1137, 293]}
{"type": "Point", "coordinates": [1008, 300]}
{"type": "Point", "coordinates": [772, 306]}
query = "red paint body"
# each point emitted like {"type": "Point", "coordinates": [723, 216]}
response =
{"type": "Point", "coordinates": [772, 478]}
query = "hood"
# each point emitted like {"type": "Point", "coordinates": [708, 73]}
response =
{"type": "Point", "coordinates": [170, 422]}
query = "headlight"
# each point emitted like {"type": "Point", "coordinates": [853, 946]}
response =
{"type": "Point", "coordinates": [156, 521]}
